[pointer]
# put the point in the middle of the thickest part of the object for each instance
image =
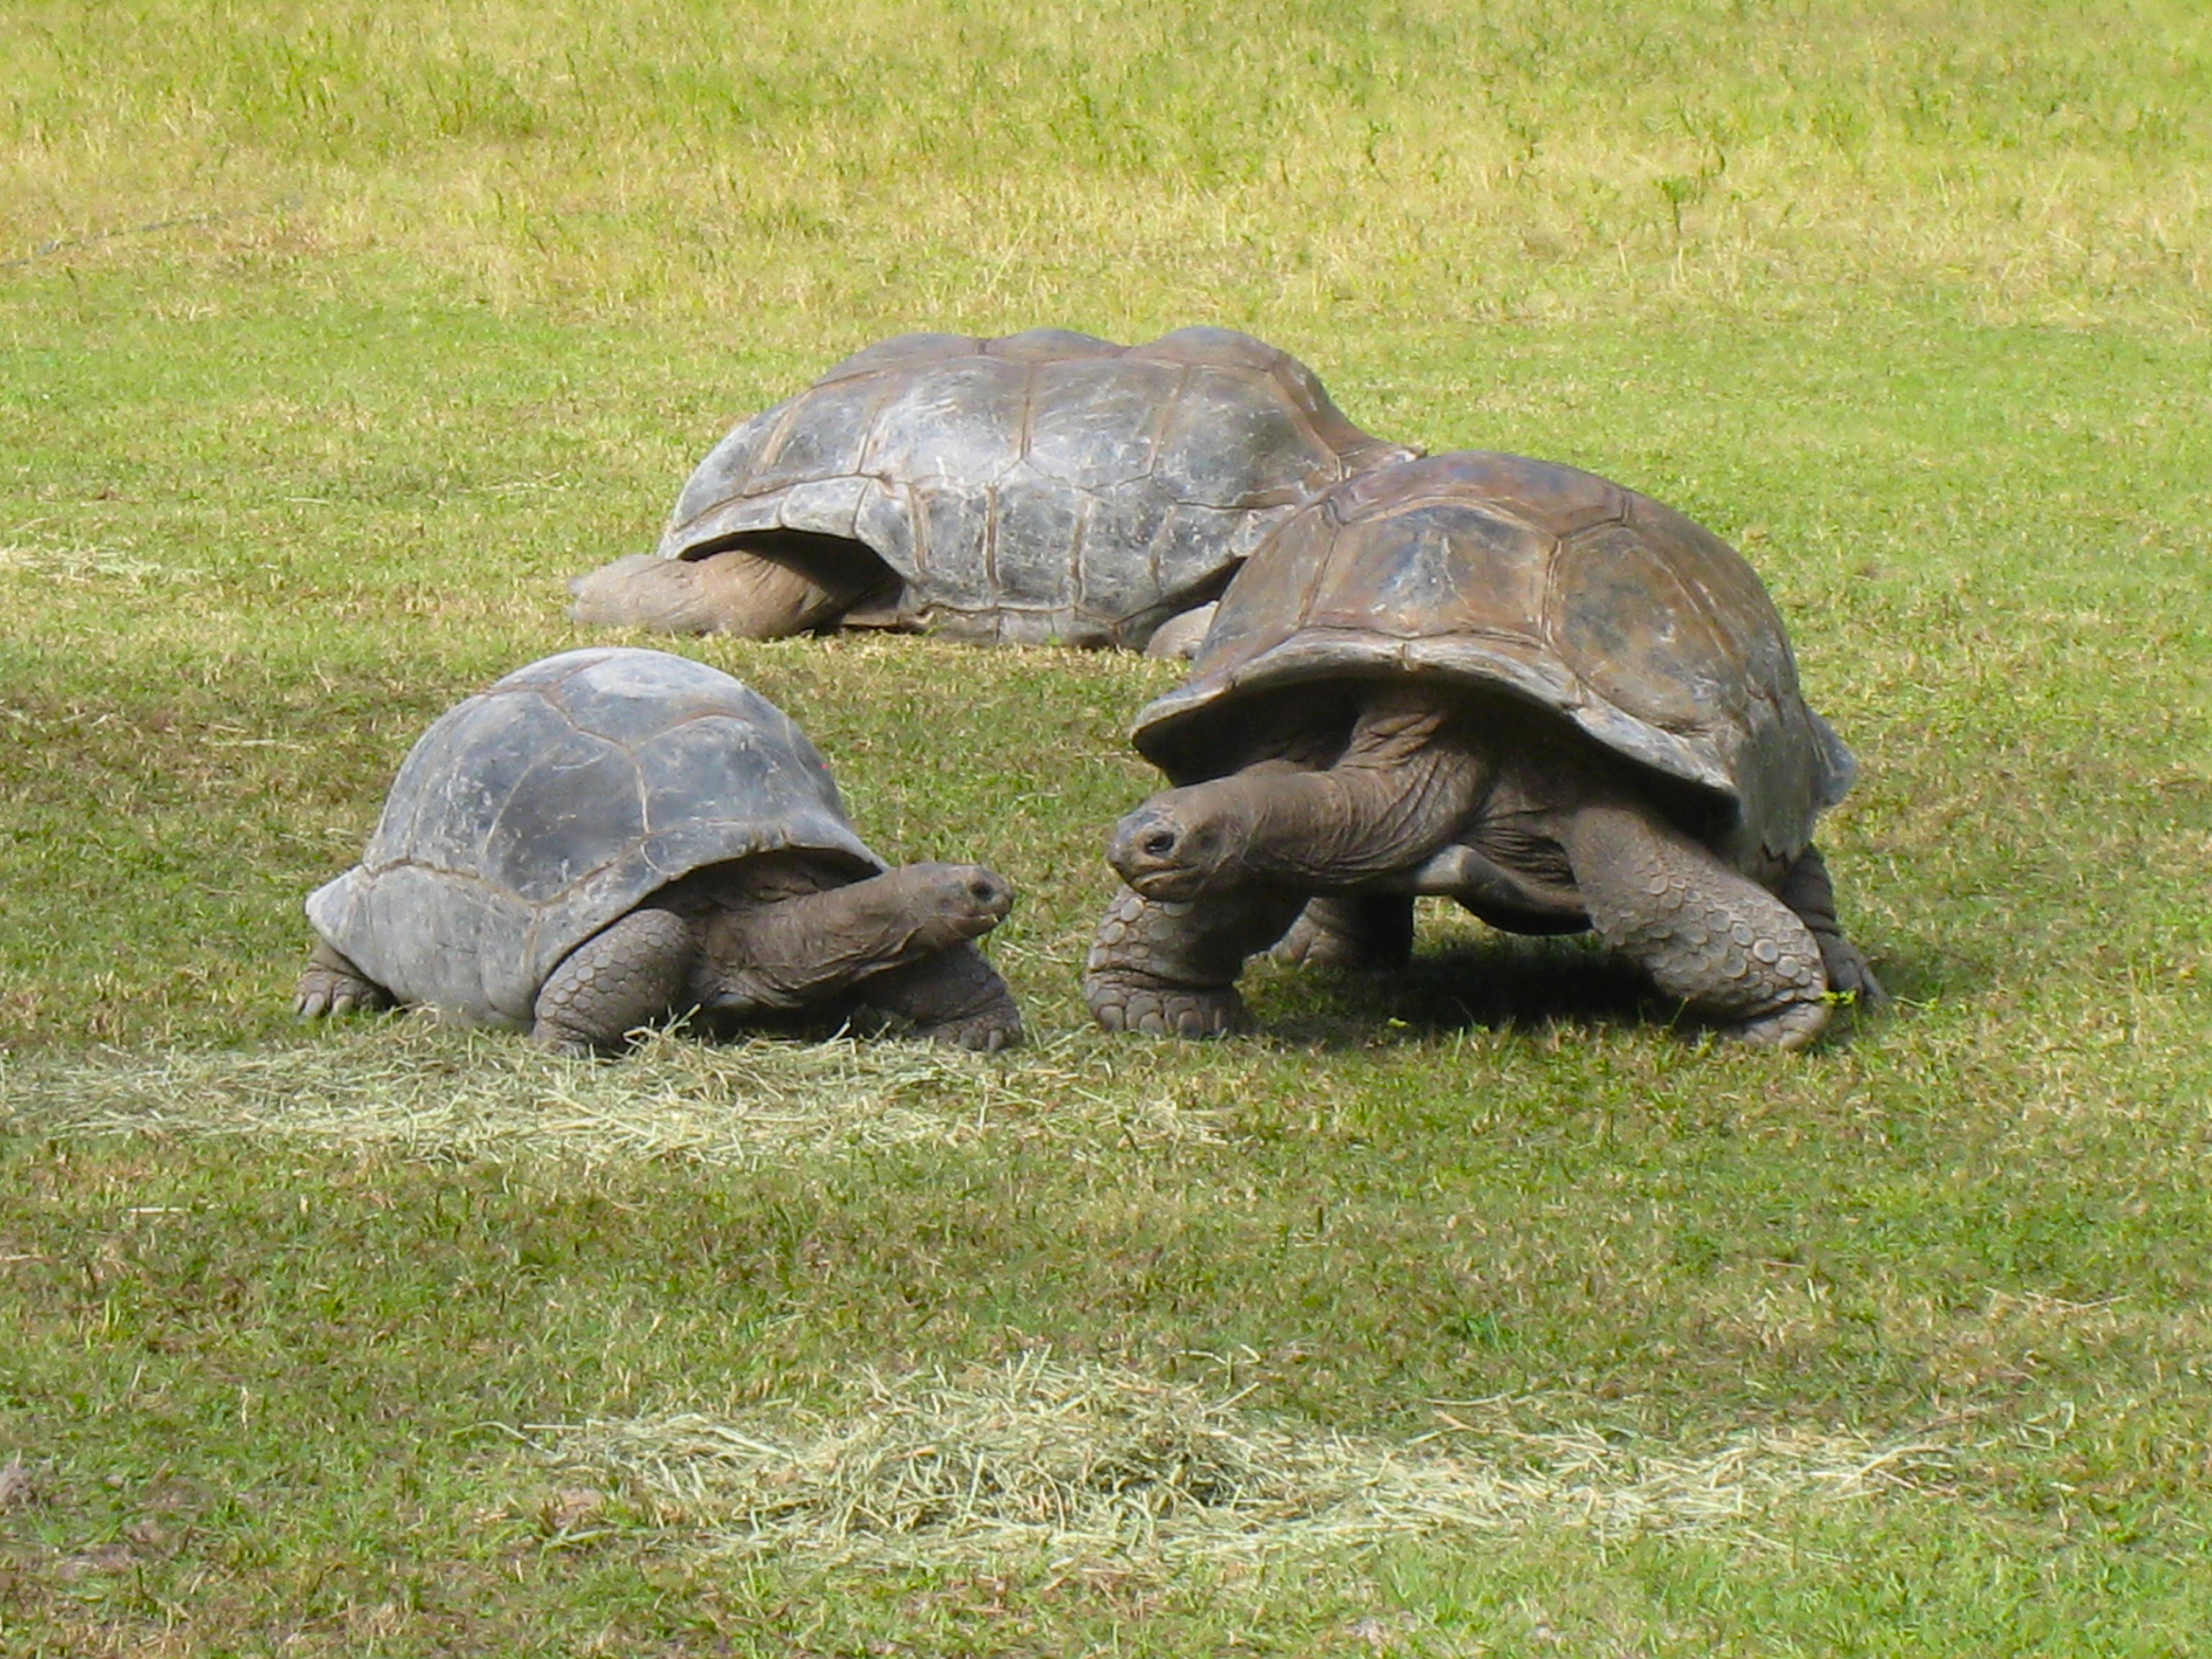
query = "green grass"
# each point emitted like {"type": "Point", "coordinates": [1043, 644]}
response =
{"type": "Point", "coordinates": [1474, 1312]}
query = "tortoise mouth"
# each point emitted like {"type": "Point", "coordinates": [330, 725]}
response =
{"type": "Point", "coordinates": [990, 902]}
{"type": "Point", "coordinates": [1167, 886]}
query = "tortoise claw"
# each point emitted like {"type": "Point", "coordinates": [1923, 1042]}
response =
{"type": "Point", "coordinates": [1849, 974]}
{"type": "Point", "coordinates": [330, 985]}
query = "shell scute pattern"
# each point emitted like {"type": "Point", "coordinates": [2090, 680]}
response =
{"type": "Point", "coordinates": [1095, 424]}
{"type": "Point", "coordinates": [1647, 632]}
{"type": "Point", "coordinates": [531, 815]}
{"type": "Point", "coordinates": [1046, 485]}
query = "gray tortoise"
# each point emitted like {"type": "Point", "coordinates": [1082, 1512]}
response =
{"type": "Point", "coordinates": [608, 839]}
{"type": "Point", "coordinates": [1507, 682]}
{"type": "Point", "coordinates": [1047, 487]}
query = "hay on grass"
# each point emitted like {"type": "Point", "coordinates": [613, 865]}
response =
{"type": "Point", "coordinates": [1086, 1465]}
{"type": "Point", "coordinates": [411, 1086]}
{"type": "Point", "coordinates": [92, 566]}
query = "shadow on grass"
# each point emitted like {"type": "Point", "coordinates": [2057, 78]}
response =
{"type": "Point", "coordinates": [1497, 983]}
{"type": "Point", "coordinates": [1511, 985]}
{"type": "Point", "coordinates": [1917, 969]}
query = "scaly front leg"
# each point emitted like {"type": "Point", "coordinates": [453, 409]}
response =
{"type": "Point", "coordinates": [1708, 935]}
{"type": "Point", "coordinates": [630, 973]}
{"type": "Point", "coordinates": [1169, 968]}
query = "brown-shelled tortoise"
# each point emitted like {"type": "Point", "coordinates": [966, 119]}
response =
{"type": "Point", "coordinates": [1047, 487]}
{"type": "Point", "coordinates": [609, 839]}
{"type": "Point", "coordinates": [1510, 682]}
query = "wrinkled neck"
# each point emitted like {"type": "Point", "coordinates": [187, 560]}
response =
{"type": "Point", "coordinates": [1404, 785]}
{"type": "Point", "coordinates": [794, 949]}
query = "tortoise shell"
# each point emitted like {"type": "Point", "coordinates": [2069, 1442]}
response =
{"type": "Point", "coordinates": [531, 815]}
{"type": "Point", "coordinates": [1546, 584]}
{"type": "Point", "coordinates": [1046, 486]}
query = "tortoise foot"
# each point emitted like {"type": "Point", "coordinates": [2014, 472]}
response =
{"type": "Point", "coordinates": [985, 1030]}
{"type": "Point", "coordinates": [1807, 889]}
{"type": "Point", "coordinates": [1308, 947]}
{"type": "Point", "coordinates": [955, 998]}
{"type": "Point", "coordinates": [1361, 935]}
{"type": "Point", "coordinates": [1130, 1001]}
{"type": "Point", "coordinates": [1795, 1025]}
{"type": "Point", "coordinates": [984, 1034]}
{"type": "Point", "coordinates": [1170, 968]}
{"type": "Point", "coordinates": [330, 984]}
{"type": "Point", "coordinates": [630, 974]}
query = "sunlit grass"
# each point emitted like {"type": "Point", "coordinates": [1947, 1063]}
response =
{"type": "Point", "coordinates": [1457, 163]}
{"type": "Point", "coordinates": [1473, 1310]}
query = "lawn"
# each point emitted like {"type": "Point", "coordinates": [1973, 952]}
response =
{"type": "Point", "coordinates": [1476, 1311]}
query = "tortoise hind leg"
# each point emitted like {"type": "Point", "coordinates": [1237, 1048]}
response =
{"type": "Point", "coordinates": [1373, 930]}
{"type": "Point", "coordinates": [1806, 889]}
{"type": "Point", "coordinates": [633, 972]}
{"type": "Point", "coordinates": [1714, 938]}
{"type": "Point", "coordinates": [331, 984]}
{"type": "Point", "coordinates": [955, 997]}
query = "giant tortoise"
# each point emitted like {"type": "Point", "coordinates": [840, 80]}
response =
{"type": "Point", "coordinates": [1505, 681]}
{"type": "Point", "coordinates": [608, 839]}
{"type": "Point", "coordinates": [1048, 486]}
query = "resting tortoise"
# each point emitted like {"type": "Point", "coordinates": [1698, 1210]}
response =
{"type": "Point", "coordinates": [608, 839]}
{"type": "Point", "coordinates": [1505, 680]}
{"type": "Point", "coordinates": [1049, 486]}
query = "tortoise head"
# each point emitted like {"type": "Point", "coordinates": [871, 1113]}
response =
{"type": "Point", "coordinates": [1184, 843]}
{"type": "Point", "coordinates": [947, 903]}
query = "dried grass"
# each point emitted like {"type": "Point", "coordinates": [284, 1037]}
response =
{"type": "Point", "coordinates": [92, 566]}
{"type": "Point", "coordinates": [410, 1085]}
{"type": "Point", "coordinates": [1091, 1466]}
